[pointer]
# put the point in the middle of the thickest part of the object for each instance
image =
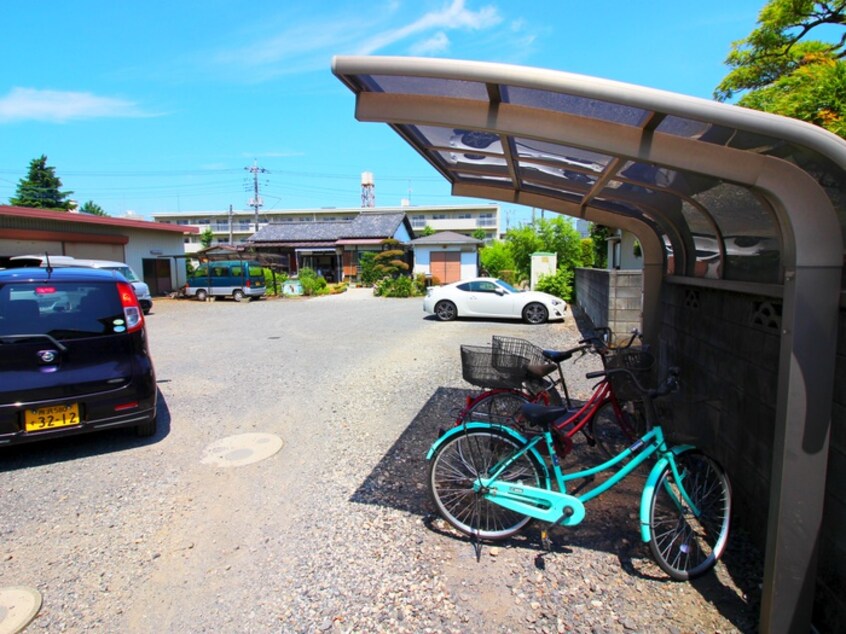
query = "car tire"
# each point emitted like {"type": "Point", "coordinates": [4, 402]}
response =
{"type": "Point", "coordinates": [238, 295]}
{"type": "Point", "coordinates": [201, 295]}
{"type": "Point", "coordinates": [147, 428]}
{"type": "Point", "coordinates": [446, 311]}
{"type": "Point", "coordinates": [535, 313]}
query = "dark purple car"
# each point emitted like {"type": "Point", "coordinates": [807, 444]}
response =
{"type": "Point", "coordinates": [73, 355]}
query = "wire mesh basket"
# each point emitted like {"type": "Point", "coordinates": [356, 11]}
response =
{"type": "Point", "coordinates": [510, 351]}
{"type": "Point", "coordinates": [506, 347]}
{"type": "Point", "coordinates": [636, 360]}
{"type": "Point", "coordinates": [477, 368]}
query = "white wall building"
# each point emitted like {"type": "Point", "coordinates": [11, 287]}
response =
{"type": "Point", "coordinates": [236, 227]}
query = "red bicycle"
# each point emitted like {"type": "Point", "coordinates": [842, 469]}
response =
{"type": "Point", "coordinates": [513, 372]}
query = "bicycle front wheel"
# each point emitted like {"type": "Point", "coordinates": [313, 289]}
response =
{"type": "Point", "coordinates": [683, 544]}
{"type": "Point", "coordinates": [456, 467]}
{"type": "Point", "coordinates": [612, 433]}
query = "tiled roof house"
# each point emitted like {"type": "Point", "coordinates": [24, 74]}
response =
{"type": "Point", "coordinates": [333, 248]}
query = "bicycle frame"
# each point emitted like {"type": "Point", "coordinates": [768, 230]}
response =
{"type": "Point", "coordinates": [558, 506]}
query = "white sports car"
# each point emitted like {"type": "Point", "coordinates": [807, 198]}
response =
{"type": "Point", "coordinates": [490, 297]}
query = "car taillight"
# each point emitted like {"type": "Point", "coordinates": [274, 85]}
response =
{"type": "Point", "coordinates": [248, 284]}
{"type": "Point", "coordinates": [131, 308]}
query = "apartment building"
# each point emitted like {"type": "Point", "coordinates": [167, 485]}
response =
{"type": "Point", "coordinates": [237, 226]}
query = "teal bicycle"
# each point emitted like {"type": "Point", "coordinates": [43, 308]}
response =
{"type": "Point", "coordinates": [490, 481]}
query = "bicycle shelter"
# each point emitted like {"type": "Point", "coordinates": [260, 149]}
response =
{"type": "Point", "coordinates": [741, 217]}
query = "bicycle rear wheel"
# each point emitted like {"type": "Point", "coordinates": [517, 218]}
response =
{"type": "Point", "coordinates": [612, 434]}
{"type": "Point", "coordinates": [684, 545]}
{"type": "Point", "coordinates": [502, 408]}
{"type": "Point", "coordinates": [456, 467]}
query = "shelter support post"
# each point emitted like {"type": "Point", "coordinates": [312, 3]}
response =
{"type": "Point", "coordinates": [800, 447]}
{"type": "Point", "coordinates": [653, 276]}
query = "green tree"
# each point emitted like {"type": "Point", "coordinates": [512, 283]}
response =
{"type": "Point", "coordinates": [781, 70]}
{"type": "Point", "coordinates": [90, 207]}
{"type": "Point", "coordinates": [556, 236]}
{"type": "Point", "coordinates": [480, 234]}
{"type": "Point", "coordinates": [496, 258]}
{"type": "Point", "coordinates": [389, 262]}
{"type": "Point", "coordinates": [367, 268]}
{"type": "Point", "coordinates": [599, 235]}
{"type": "Point", "coordinates": [427, 231]}
{"type": "Point", "coordinates": [41, 189]}
{"type": "Point", "coordinates": [207, 237]}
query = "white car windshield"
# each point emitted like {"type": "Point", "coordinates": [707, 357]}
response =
{"type": "Point", "coordinates": [507, 286]}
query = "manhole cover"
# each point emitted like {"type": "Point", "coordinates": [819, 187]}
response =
{"type": "Point", "coordinates": [236, 451]}
{"type": "Point", "coordinates": [18, 606]}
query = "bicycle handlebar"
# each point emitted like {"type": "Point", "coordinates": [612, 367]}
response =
{"type": "Point", "coordinates": [670, 383]}
{"type": "Point", "coordinates": [603, 335]}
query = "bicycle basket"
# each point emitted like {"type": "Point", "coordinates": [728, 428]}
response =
{"type": "Point", "coordinates": [639, 362]}
{"type": "Point", "coordinates": [478, 369]}
{"type": "Point", "coordinates": [510, 350]}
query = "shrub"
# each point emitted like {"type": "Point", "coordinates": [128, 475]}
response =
{"type": "Point", "coordinates": [281, 278]}
{"type": "Point", "coordinates": [508, 275]}
{"type": "Point", "coordinates": [312, 283]}
{"type": "Point", "coordinates": [367, 274]}
{"type": "Point", "coordinates": [559, 284]}
{"type": "Point", "coordinates": [402, 286]}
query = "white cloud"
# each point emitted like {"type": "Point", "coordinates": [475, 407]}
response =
{"type": "Point", "coordinates": [303, 46]}
{"type": "Point", "coordinates": [438, 43]}
{"type": "Point", "coordinates": [29, 104]}
{"type": "Point", "coordinates": [454, 16]}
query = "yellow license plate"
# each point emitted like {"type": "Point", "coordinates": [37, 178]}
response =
{"type": "Point", "coordinates": [51, 417]}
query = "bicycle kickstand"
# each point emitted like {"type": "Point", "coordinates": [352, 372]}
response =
{"type": "Point", "coordinates": [546, 542]}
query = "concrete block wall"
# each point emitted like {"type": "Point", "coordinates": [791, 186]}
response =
{"type": "Point", "coordinates": [830, 598]}
{"type": "Point", "coordinates": [727, 347]}
{"type": "Point", "coordinates": [611, 298]}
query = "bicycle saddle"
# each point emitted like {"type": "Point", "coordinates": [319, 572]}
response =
{"type": "Point", "coordinates": [542, 415]}
{"type": "Point", "coordinates": [540, 369]}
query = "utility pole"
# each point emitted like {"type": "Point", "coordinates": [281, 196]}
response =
{"type": "Point", "coordinates": [230, 224]}
{"type": "Point", "coordinates": [255, 201]}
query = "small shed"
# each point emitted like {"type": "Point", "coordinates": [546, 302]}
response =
{"type": "Point", "coordinates": [447, 255]}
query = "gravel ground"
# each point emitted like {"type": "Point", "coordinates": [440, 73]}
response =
{"type": "Point", "coordinates": [335, 532]}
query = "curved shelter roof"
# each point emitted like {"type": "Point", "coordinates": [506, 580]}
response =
{"type": "Point", "coordinates": [718, 195]}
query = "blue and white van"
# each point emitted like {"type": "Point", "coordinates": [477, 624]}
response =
{"type": "Point", "coordinates": [238, 279]}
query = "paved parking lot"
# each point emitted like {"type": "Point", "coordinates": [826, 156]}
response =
{"type": "Point", "coordinates": [332, 530]}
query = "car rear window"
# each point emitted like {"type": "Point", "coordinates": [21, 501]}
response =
{"type": "Point", "coordinates": [64, 310]}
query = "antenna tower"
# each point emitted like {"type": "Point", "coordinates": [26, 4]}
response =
{"type": "Point", "coordinates": [368, 190]}
{"type": "Point", "coordinates": [256, 202]}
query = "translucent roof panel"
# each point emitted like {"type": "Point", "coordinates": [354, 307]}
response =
{"type": "Point", "coordinates": [597, 144]}
{"type": "Point", "coordinates": [571, 104]}
{"type": "Point", "coordinates": [425, 86]}
{"type": "Point", "coordinates": [749, 232]}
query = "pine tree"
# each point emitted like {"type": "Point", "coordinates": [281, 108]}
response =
{"type": "Point", "coordinates": [41, 188]}
{"type": "Point", "coordinates": [93, 208]}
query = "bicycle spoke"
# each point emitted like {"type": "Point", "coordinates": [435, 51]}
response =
{"type": "Point", "coordinates": [683, 543]}
{"type": "Point", "coordinates": [454, 482]}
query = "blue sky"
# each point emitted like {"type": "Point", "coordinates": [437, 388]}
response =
{"type": "Point", "coordinates": [159, 106]}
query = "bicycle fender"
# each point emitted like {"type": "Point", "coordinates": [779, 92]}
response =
{"type": "Point", "coordinates": [499, 428]}
{"type": "Point", "coordinates": [649, 488]}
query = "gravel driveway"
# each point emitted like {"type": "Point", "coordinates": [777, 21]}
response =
{"type": "Point", "coordinates": [335, 531]}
